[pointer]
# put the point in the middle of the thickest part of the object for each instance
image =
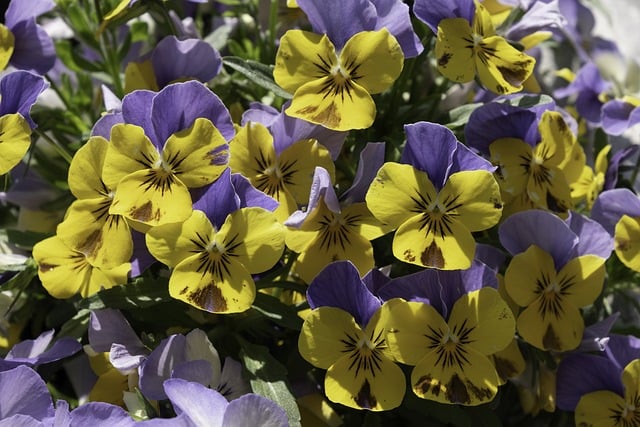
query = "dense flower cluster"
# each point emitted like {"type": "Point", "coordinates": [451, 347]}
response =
{"type": "Point", "coordinates": [317, 212]}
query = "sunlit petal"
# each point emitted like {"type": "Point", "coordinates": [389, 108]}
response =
{"type": "Point", "coordinates": [129, 150]}
{"type": "Point", "coordinates": [15, 139]}
{"type": "Point", "coordinates": [627, 237]}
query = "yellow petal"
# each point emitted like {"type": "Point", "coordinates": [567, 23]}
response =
{"type": "Point", "coordinates": [297, 165]}
{"type": "Point", "coordinates": [454, 54]}
{"type": "Point", "coordinates": [334, 103]}
{"type": "Point", "coordinates": [7, 44]}
{"type": "Point", "coordinates": [509, 362]}
{"type": "Point", "coordinates": [85, 170]}
{"type": "Point", "coordinates": [436, 241]}
{"type": "Point", "coordinates": [15, 139]}
{"type": "Point", "coordinates": [525, 272]}
{"type": "Point", "coordinates": [65, 272]}
{"type": "Point", "coordinates": [302, 57]}
{"type": "Point", "coordinates": [197, 155]}
{"type": "Point", "coordinates": [140, 76]}
{"type": "Point", "coordinates": [470, 382]}
{"type": "Point", "coordinates": [473, 197]}
{"type": "Point", "coordinates": [598, 409]}
{"type": "Point", "coordinates": [512, 156]}
{"type": "Point", "coordinates": [559, 330]}
{"type": "Point", "coordinates": [104, 239]}
{"type": "Point", "coordinates": [627, 237]}
{"type": "Point", "coordinates": [581, 279]}
{"type": "Point", "coordinates": [403, 184]}
{"type": "Point", "coordinates": [152, 197]}
{"type": "Point", "coordinates": [602, 163]}
{"type": "Point", "coordinates": [129, 151]}
{"type": "Point", "coordinates": [380, 392]}
{"type": "Point", "coordinates": [484, 320]}
{"type": "Point", "coordinates": [631, 381]}
{"type": "Point", "coordinates": [412, 329]}
{"type": "Point", "coordinates": [321, 340]}
{"type": "Point", "coordinates": [373, 59]}
{"type": "Point", "coordinates": [222, 286]}
{"type": "Point", "coordinates": [254, 237]}
{"type": "Point", "coordinates": [502, 68]}
{"type": "Point", "coordinates": [173, 243]}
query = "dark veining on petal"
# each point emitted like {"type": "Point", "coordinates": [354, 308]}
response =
{"type": "Point", "coordinates": [365, 399]}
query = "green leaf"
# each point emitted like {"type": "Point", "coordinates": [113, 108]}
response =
{"type": "Point", "coordinates": [528, 101]}
{"type": "Point", "coordinates": [77, 326]}
{"type": "Point", "coordinates": [142, 293]}
{"type": "Point", "coordinates": [268, 378]}
{"type": "Point", "coordinates": [282, 314]}
{"type": "Point", "coordinates": [22, 279]}
{"type": "Point", "coordinates": [459, 116]}
{"type": "Point", "coordinates": [258, 73]}
{"type": "Point", "coordinates": [26, 239]}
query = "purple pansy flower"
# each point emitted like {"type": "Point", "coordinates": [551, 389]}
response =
{"type": "Point", "coordinates": [19, 91]}
{"type": "Point", "coordinates": [432, 12]}
{"type": "Point", "coordinates": [340, 20]}
{"type": "Point", "coordinates": [32, 47]}
{"type": "Point", "coordinates": [589, 86]}
{"type": "Point", "coordinates": [39, 351]}
{"type": "Point", "coordinates": [611, 205]}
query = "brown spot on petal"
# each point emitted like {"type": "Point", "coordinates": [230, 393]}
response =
{"type": "Point", "coordinates": [623, 245]}
{"type": "Point", "coordinates": [209, 298]}
{"type": "Point", "coordinates": [92, 244]}
{"type": "Point", "coordinates": [427, 384]}
{"type": "Point", "coordinates": [432, 257]}
{"type": "Point", "coordinates": [550, 340]}
{"type": "Point", "coordinates": [457, 391]}
{"type": "Point", "coordinates": [328, 117]}
{"type": "Point", "coordinates": [444, 59]}
{"type": "Point", "coordinates": [365, 399]}
{"type": "Point", "coordinates": [482, 393]}
{"type": "Point", "coordinates": [45, 268]}
{"type": "Point", "coordinates": [556, 205]}
{"type": "Point", "coordinates": [505, 368]}
{"type": "Point", "coordinates": [142, 213]}
{"type": "Point", "coordinates": [514, 75]}
{"type": "Point", "coordinates": [409, 256]}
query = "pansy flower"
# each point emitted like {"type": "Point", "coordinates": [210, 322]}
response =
{"type": "Point", "coordinates": [467, 45]}
{"type": "Point", "coordinates": [23, 43]}
{"type": "Point", "coordinates": [282, 171]}
{"type": "Point", "coordinates": [173, 60]}
{"type": "Point", "coordinates": [438, 196]}
{"type": "Point", "coordinates": [447, 324]}
{"type": "Point", "coordinates": [333, 72]}
{"type": "Point", "coordinates": [553, 274]}
{"type": "Point", "coordinates": [18, 92]}
{"type": "Point", "coordinates": [328, 229]}
{"type": "Point", "coordinates": [618, 210]}
{"type": "Point", "coordinates": [345, 334]}
{"type": "Point", "coordinates": [169, 142]}
{"type": "Point", "coordinates": [39, 351]}
{"type": "Point", "coordinates": [228, 237]}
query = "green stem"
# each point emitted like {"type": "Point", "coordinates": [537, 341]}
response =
{"type": "Point", "coordinates": [59, 148]}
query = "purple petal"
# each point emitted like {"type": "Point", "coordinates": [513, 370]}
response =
{"type": "Point", "coordinates": [122, 358]}
{"type": "Point", "coordinates": [177, 106]}
{"type": "Point", "coordinates": [261, 113]}
{"type": "Point", "coordinates": [339, 19]}
{"type": "Point", "coordinates": [339, 285]}
{"type": "Point", "coordinates": [197, 371]}
{"type": "Point", "coordinates": [20, 420]}
{"type": "Point", "coordinates": [320, 187]}
{"type": "Point", "coordinates": [374, 280]}
{"type": "Point", "coordinates": [19, 90]}
{"type": "Point", "coordinates": [175, 59]}
{"type": "Point", "coordinates": [394, 16]}
{"type": "Point", "coordinates": [108, 326]}
{"type": "Point", "coordinates": [491, 256]}
{"type": "Point", "coordinates": [159, 365]}
{"type": "Point", "coordinates": [250, 196]}
{"type": "Point", "coordinates": [33, 49]}
{"type": "Point", "coordinates": [623, 349]}
{"type": "Point", "coordinates": [611, 205]}
{"type": "Point", "coordinates": [141, 258]}
{"type": "Point", "coordinates": [105, 123]}
{"type": "Point", "coordinates": [217, 200]}
{"type": "Point", "coordinates": [522, 230]}
{"type": "Point", "coordinates": [232, 385]}
{"type": "Point", "coordinates": [62, 416]}
{"type": "Point", "coordinates": [22, 391]}
{"type": "Point", "coordinates": [579, 374]}
{"type": "Point", "coordinates": [593, 239]}
{"type": "Point", "coordinates": [611, 178]}
{"type": "Point", "coordinates": [205, 407]}
{"type": "Point", "coordinates": [542, 16]}
{"type": "Point", "coordinates": [100, 414]}
{"type": "Point", "coordinates": [616, 116]}
{"type": "Point", "coordinates": [431, 12]}
{"type": "Point", "coordinates": [136, 110]}
{"type": "Point", "coordinates": [288, 130]}
{"type": "Point", "coordinates": [430, 148]}
{"type": "Point", "coordinates": [423, 286]}
{"type": "Point", "coordinates": [111, 102]}
{"type": "Point", "coordinates": [22, 10]}
{"type": "Point", "coordinates": [596, 336]}
{"type": "Point", "coordinates": [466, 160]}
{"type": "Point", "coordinates": [500, 120]}
{"type": "Point", "coordinates": [254, 410]}
{"type": "Point", "coordinates": [371, 159]}
{"type": "Point", "coordinates": [31, 349]}
{"type": "Point", "coordinates": [456, 283]}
